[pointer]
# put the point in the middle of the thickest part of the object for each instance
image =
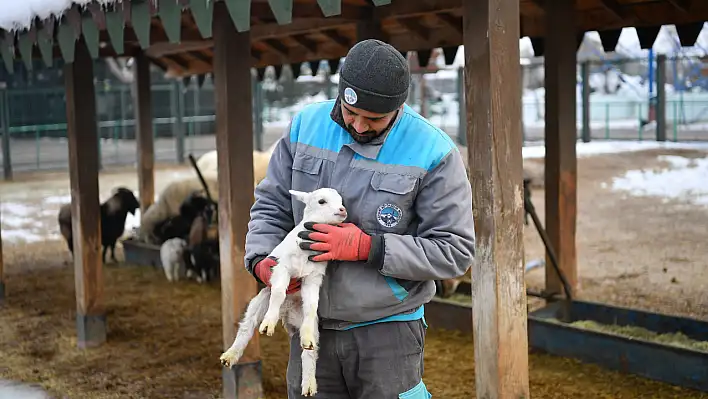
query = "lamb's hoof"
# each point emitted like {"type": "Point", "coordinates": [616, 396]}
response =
{"type": "Point", "coordinates": [229, 358]}
{"type": "Point", "coordinates": [307, 340]}
{"type": "Point", "coordinates": [309, 388]}
{"type": "Point", "coordinates": [267, 327]}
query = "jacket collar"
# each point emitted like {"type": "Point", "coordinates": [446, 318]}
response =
{"type": "Point", "coordinates": [371, 149]}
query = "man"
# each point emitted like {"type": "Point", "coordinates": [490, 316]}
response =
{"type": "Point", "coordinates": [410, 222]}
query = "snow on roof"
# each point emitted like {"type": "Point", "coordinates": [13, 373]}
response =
{"type": "Point", "coordinates": [18, 15]}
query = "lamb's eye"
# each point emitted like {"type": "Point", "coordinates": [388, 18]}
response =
{"type": "Point", "coordinates": [322, 201]}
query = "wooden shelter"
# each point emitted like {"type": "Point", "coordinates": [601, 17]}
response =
{"type": "Point", "coordinates": [229, 37]}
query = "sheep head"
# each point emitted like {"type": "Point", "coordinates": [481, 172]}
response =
{"type": "Point", "coordinates": [322, 206]}
{"type": "Point", "coordinates": [127, 199]}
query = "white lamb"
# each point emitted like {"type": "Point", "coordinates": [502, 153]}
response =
{"type": "Point", "coordinates": [172, 258]}
{"type": "Point", "coordinates": [297, 311]}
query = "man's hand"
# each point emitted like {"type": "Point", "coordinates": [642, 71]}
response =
{"type": "Point", "coordinates": [345, 242]}
{"type": "Point", "coordinates": [263, 272]}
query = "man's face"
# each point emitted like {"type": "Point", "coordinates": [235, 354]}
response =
{"type": "Point", "coordinates": [363, 125]}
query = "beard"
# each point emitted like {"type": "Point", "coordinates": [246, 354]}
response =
{"type": "Point", "coordinates": [362, 138]}
{"type": "Point", "coordinates": [369, 135]}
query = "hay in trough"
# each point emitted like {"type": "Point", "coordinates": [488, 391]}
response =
{"type": "Point", "coordinates": [164, 341]}
{"type": "Point", "coordinates": [677, 339]}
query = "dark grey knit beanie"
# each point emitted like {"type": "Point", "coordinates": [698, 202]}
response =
{"type": "Point", "coordinates": [374, 77]}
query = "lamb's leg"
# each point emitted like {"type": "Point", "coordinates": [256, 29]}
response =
{"type": "Point", "coordinates": [103, 256]}
{"type": "Point", "coordinates": [310, 291]}
{"type": "Point", "coordinates": [309, 365]}
{"type": "Point", "coordinates": [279, 283]}
{"type": "Point", "coordinates": [255, 311]}
{"type": "Point", "coordinates": [113, 252]}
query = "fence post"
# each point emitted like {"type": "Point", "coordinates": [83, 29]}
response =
{"type": "Point", "coordinates": [5, 125]}
{"type": "Point", "coordinates": [661, 97]}
{"type": "Point", "coordinates": [257, 112]}
{"type": "Point", "coordinates": [462, 123]}
{"type": "Point", "coordinates": [585, 73]}
{"type": "Point", "coordinates": [123, 113]}
{"type": "Point", "coordinates": [177, 105]}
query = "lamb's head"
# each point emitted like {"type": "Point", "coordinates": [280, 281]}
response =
{"type": "Point", "coordinates": [127, 199]}
{"type": "Point", "coordinates": [322, 206]}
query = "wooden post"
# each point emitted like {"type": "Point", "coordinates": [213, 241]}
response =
{"type": "Point", "coordinates": [85, 206]}
{"type": "Point", "coordinates": [560, 138]}
{"type": "Point", "coordinates": [143, 132]}
{"type": "Point", "coordinates": [585, 73]}
{"type": "Point", "coordinates": [661, 97]}
{"type": "Point", "coordinates": [234, 139]}
{"type": "Point", "coordinates": [493, 105]}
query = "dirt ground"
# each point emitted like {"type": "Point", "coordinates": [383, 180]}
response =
{"type": "Point", "coordinates": [164, 339]}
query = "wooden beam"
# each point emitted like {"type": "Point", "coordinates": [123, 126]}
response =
{"type": "Point", "coordinates": [451, 21]}
{"type": "Point", "coordinates": [277, 46]}
{"type": "Point", "coordinates": [203, 58]}
{"type": "Point", "coordinates": [337, 37]}
{"type": "Point", "coordinates": [493, 105]}
{"type": "Point", "coordinates": [370, 29]}
{"type": "Point", "coordinates": [235, 160]}
{"type": "Point", "coordinates": [144, 133]}
{"type": "Point", "coordinates": [682, 5]}
{"type": "Point", "coordinates": [178, 60]}
{"type": "Point", "coordinates": [415, 27]}
{"type": "Point", "coordinates": [85, 206]}
{"type": "Point", "coordinates": [560, 138]}
{"type": "Point", "coordinates": [302, 40]}
{"type": "Point", "coordinates": [615, 8]}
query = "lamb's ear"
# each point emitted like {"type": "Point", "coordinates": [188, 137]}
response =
{"type": "Point", "coordinates": [299, 195]}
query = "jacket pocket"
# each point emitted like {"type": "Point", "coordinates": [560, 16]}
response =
{"type": "Point", "coordinates": [417, 392]}
{"type": "Point", "coordinates": [359, 293]}
{"type": "Point", "coordinates": [390, 202]}
{"type": "Point", "coordinates": [306, 176]}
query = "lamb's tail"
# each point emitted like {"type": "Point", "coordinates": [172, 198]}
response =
{"type": "Point", "coordinates": [255, 313]}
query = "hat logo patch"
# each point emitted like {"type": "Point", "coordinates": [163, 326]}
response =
{"type": "Point", "coordinates": [389, 215]}
{"type": "Point", "coordinates": [350, 96]}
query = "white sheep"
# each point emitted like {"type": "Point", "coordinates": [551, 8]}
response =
{"type": "Point", "coordinates": [208, 165]}
{"type": "Point", "coordinates": [297, 311]}
{"type": "Point", "coordinates": [169, 201]}
{"type": "Point", "coordinates": [172, 258]}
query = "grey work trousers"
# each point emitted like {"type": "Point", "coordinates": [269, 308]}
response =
{"type": "Point", "coordinates": [377, 361]}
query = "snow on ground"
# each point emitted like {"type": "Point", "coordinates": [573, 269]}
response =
{"type": "Point", "coordinates": [686, 179]}
{"type": "Point", "coordinates": [28, 211]}
{"type": "Point", "coordinates": [612, 147]}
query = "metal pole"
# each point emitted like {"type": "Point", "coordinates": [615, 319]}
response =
{"type": "Point", "coordinates": [5, 125]}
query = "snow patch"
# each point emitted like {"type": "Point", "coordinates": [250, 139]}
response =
{"type": "Point", "coordinates": [18, 15]}
{"type": "Point", "coordinates": [613, 147]}
{"type": "Point", "coordinates": [685, 180]}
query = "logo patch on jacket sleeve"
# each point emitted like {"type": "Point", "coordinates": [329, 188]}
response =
{"type": "Point", "coordinates": [388, 215]}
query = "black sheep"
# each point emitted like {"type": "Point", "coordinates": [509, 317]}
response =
{"type": "Point", "coordinates": [113, 214]}
{"type": "Point", "coordinates": [180, 225]}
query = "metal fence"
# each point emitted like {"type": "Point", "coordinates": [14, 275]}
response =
{"type": "Point", "coordinates": [619, 110]}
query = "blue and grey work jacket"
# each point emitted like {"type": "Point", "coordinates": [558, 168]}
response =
{"type": "Point", "coordinates": [407, 188]}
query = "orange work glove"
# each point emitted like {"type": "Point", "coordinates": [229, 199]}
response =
{"type": "Point", "coordinates": [263, 271]}
{"type": "Point", "coordinates": [343, 242]}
